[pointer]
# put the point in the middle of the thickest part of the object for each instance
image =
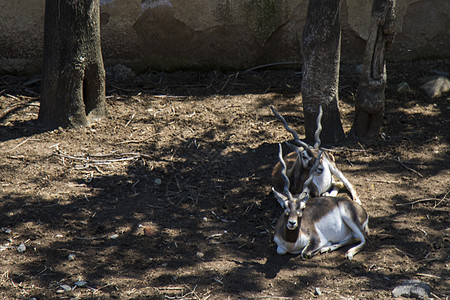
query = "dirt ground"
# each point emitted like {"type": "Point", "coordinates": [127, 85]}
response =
{"type": "Point", "coordinates": [187, 156]}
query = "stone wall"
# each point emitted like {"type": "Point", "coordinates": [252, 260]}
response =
{"type": "Point", "coordinates": [227, 34]}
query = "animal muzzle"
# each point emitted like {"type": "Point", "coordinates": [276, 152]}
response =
{"type": "Point", "coordinates": [291, 224]}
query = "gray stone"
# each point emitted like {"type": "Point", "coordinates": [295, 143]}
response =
{"type": "Point", "coordinates": [65, 287]}
{"type": "Point", "coordinates": [435, 87]}
{"type": "Point", "coordinates": [120, 73]}
{"type": "Point", "coordinates": [412, 288]}
{"type": "Point", "coordinates": [403, 87]}
{"type": "Point", "coordinates": [317, 291]}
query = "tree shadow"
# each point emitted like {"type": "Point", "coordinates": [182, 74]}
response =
{"type": "Point", "coordinates": [208, 200]}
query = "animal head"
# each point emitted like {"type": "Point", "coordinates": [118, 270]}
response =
{"type": "Point", "coordinates": [306, 153]}
{"type": "Point", "coordinates": [293, 208]}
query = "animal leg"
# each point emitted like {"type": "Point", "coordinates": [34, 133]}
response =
{"type": "Point", "coordinates": [336, 172]}
{"type": "Point", "coordinates": [281, 250]}
{"type": "Point", "coordinates": [331, 247]}
{"type": "Point", "coordinates": [357, 233]}
{"type": "Point", "coordinates": [312, 248]}
{"type": "Point", "coordinates": [335, 188]}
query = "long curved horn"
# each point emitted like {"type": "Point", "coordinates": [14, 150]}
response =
{"type": "Point", "coordinates": [297, 149]}
{"type": "Point", "coordinates": [304, 196]}
{"type": "Point", "coordinates": [286, 191]}
{"type": "Point", "coordinates": [289, 129]}
{"type": "Point", "coordinates": [319, 129]}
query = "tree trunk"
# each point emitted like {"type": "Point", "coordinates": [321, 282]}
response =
{"type": "Point", "coordinates": [321, 55]}
{"type": "Point", "coordinates": [369, 107]}
{"type": "Point", "coordinates": [73, 76]}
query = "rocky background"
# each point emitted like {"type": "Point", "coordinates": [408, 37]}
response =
{"type": "Point", "coordinates": [210, 34]}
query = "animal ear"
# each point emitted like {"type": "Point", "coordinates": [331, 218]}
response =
{"type": "Point", "coordinates": [302, 198]}
{"type": "Point", "coordinates": [302, 205]}
{"type": "Point", "coordinates": [282, 199]}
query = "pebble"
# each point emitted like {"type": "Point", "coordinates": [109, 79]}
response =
{"type": "Point", "coordinates": [317, 291]}
{"type": "Point", "coordinates": [158, 181]}
{"type": "Point", "coordinates": [403, 87]}
{"type": "Point", "coordinates": [114, 236]}
{"type": "Point", "coordinates": [71, 257]}
{"type": "Point", "coordinates": [21, 248]}
{"type": "Point", "coordinates": [80, 283]}
{"type": "Point", "coordinates": [200, 254]}
{"type": "Point", "coordinates": [149, 231]}
{"type": "Point", "coordinates": [6, 230]}
{"type": "Point", "coordinates": [65, 287]}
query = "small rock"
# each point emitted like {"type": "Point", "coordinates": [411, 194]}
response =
{"type": "Point", "coordinates": [71, 257]}
{"type": "Point", "coordinates": [114, 236]}
{"type": "Point", "coordinates": [80, 283]}
{"type": "Point", "coordinates": [317, 292]}
{"type": "Point", "coordinates": [65, 287]}
{"type": "Point", "coordinates": [403, 87]}
{"type": "Point", "coordinates": [158, 181]}
{"type": "Point", "coordinates": [412, 288]}
{"type": "Point", "coordinates": [6, 230]}
{"type": "Point", "coordinates": [21, 248]}
{"type": "Point", "coordinates": [200, 254]}
{"type": "Point", "coordinates": [435, 87]}
{"type": "Point", "coordinates": [149, 231]}
{"type": "Point", "coordinates": [120, 72]}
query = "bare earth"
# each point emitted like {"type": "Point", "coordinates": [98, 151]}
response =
{"type": "Point", "coordinates": [187, 156]}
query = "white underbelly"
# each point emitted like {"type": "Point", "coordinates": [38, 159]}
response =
{"type": "Point", "coordinates": [332, 228]}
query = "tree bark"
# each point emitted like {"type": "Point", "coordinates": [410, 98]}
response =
{"type": "Point", "coordinates": [73, 76]}
{"type": "Point", "coordinates": [369, 107]}
{"type": "Point", "coordinates": [321, 58]}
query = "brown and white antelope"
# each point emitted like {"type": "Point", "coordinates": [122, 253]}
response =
{"type": "Point", "coordinates": [320, 224]}
{"type": "Point", "coordinates": [299, 164]}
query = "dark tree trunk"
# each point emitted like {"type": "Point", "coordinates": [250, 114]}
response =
{"type": "Point", "coordinates": [73, 76]}
{"type": "Point", "coordinates": [321, 55]}
{"type": "Point", "coordinates": [369, 108]}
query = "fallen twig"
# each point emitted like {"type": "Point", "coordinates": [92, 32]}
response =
{"type": "Point", "coordinates": [383, 181]}
{"type": "Point", "coordinates": [428, 275]}
{"type": "Point", "coordinates": [408, 168]}
{"type": "Point", "coordinates": [417, 201]}
{"type": "Point", "coordinates": [23, 142]}
{"type": "Point", "coordinates": [271, 65]}
{"type": "Point", "coordinates": [128, 123]}
{"type": "Point", "coordinates": [440, 201]}
{"type": "Point", "coordinates": [403, 252]}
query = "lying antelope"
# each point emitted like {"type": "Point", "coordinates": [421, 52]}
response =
{"type": "Point", "coordinates": [299, 164]}
{"type": "Point", "coordinates": [320, 224]}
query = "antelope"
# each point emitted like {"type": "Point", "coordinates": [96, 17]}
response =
{"type": "Point", "coordinates": [320, 224]}
{"type": "Point", "coordinates": [299, 164]}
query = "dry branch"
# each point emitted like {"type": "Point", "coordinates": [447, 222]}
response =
{"type": "Point", "coordinates": [408, 168]}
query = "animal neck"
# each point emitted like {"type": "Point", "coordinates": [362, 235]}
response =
{"type": "Point", "coordinates": [291, 236]}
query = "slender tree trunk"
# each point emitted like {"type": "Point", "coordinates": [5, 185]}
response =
{"type": "Point", "coordinates": [73, 76]}
{"type": "Point", "coordinates": [321, 56]}
{"type": "Point", "coordinates": [369, 108]}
